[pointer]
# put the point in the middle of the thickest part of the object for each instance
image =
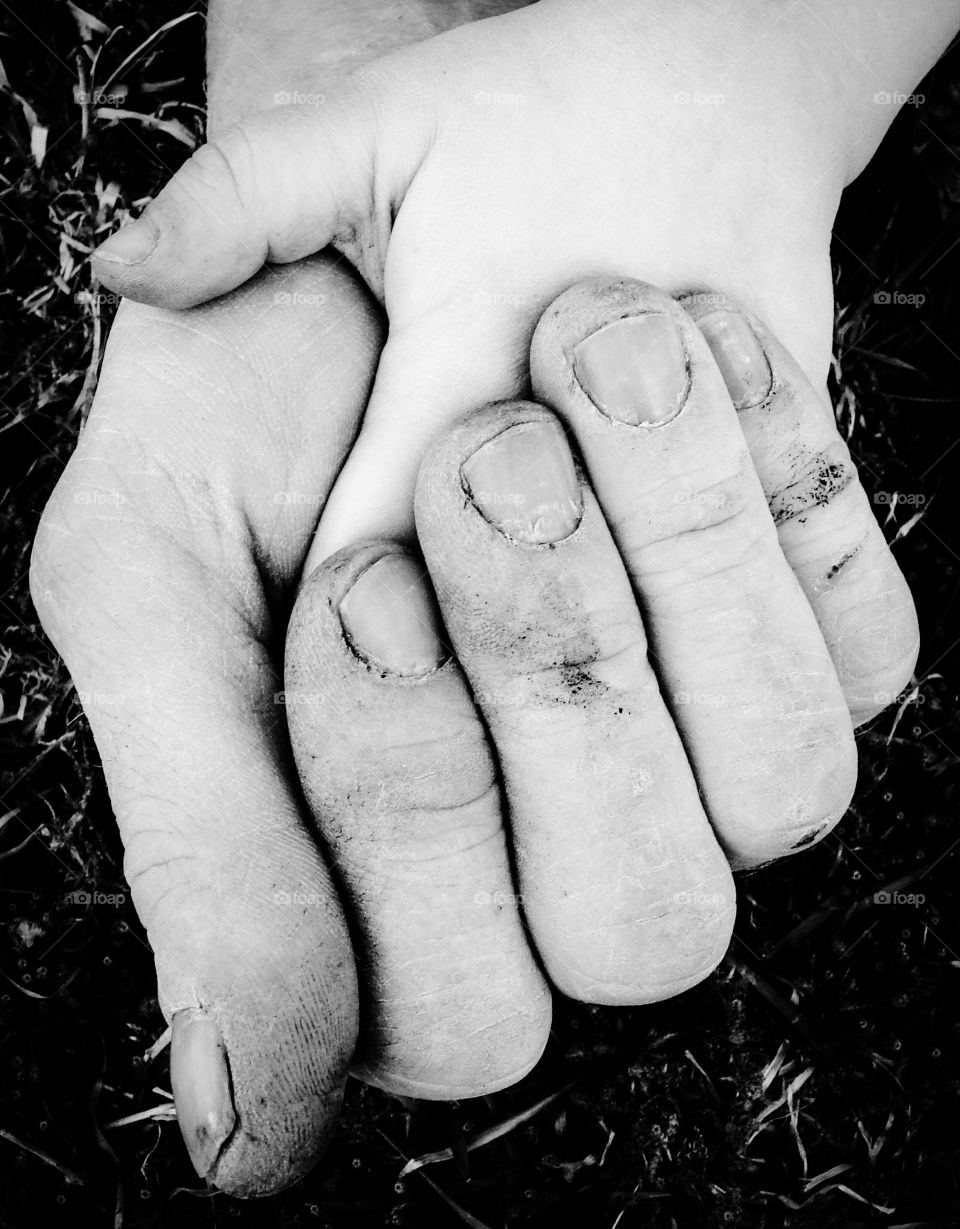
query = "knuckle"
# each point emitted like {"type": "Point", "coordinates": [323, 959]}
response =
{"type": "Point", "coordinates": [553, 677]}
{"type": "Point", "coordinates": [817, 479]}
{"type": "Point", "coordinates": [220, 164]}
{"type": "Point", "coordinates": [700, 533]}
{"type": "Point", "coordinates": [162, 869]}
{"type": "Point", "coordinates": [63, 557]}
{"type": "Point", "coordinates": [219, 179]}
{"type": "Point", "coordinates": [90, 545]}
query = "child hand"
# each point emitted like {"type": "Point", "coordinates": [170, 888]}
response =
{"type": "Point", "coordinates": [472, 177]}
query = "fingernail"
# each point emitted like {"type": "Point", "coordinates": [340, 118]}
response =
{"type": "Point", "coordinates": [391, 619]}
{"type": "Point", "coordinates": [524, 482]}
{"type": "Point", "coordinates": [130, 245]}
{"type": "Point", "coordinates": [200, 1079]}
{"type": "Point", "coordinates": [740, 357]}
{"type": "Point", "coordinates": [634, 370]}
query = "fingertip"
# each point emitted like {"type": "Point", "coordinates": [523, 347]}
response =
{"type": "Point", "coordinates": [130, 245]}
{"type": "Point", "coordinates": [149, 266]}
{"type": "Point", "coordinates": [259, 1083]}
{"type": "Point", "coordinates": [464, 1084]}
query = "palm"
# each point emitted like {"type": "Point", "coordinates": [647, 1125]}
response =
{"type": "Point", "coordinates": [179, 527]}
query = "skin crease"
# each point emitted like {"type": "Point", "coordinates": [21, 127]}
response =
{"type": "Point", "coordinates": [826, 527]}
{"type": "Point", "coordinates": [195, 534]}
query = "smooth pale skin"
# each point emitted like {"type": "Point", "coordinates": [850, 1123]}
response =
{"type": "Point", "coordinates": [471, 178]}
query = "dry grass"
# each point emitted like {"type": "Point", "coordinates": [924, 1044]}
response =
{"type": "Point", "coordinates": [812, 1082]}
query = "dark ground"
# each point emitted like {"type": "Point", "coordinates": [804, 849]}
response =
{"type": "Point", "coordinates": [813, 1081]}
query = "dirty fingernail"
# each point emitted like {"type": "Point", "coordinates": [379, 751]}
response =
{"type": "Point", "coordinates": [634, 370]}
{"type": "Point", "coordinates": [391, 618]}
{"type": "Point", "coordinates": [200, 1078]}
{"type": "Point", "coordinates": [524, 482]}
{"type": "Point", "coordinates": [740, 357]}
{"type": "Point", "coordinates": [130, 245]}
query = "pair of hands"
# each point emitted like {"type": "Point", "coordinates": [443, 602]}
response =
{"type": "Point", "coordinates": [171, 548]}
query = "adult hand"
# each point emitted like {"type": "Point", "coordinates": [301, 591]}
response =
{"type": "Point", "coordinates": [163, 572]}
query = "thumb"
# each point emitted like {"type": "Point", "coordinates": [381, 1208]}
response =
{"type": "Point", "coordinates": [145, 586]}
{"type": "Point", "coordinates": [276, 187]}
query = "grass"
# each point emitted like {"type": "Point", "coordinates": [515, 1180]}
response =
{"type": "Point", "coordinates": [813, 1081]}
